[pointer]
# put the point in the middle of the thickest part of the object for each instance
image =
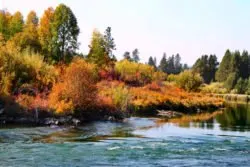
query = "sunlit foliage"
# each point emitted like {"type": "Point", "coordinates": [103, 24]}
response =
{"type": "Point", "coordinates": [76, 88]}
{"type": "Point", "coordinates": [134, 73]}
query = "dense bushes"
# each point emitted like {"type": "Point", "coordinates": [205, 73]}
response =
{"type": "Point", "coordinates": [24, 68]}
{"type": "Point", "coordinates": [134, 73]}
{"type": "Point", "coordinates": [115, 95]}
{"type": "Point", "coordinates": [189, 80]}
{"type": "Point", "coordinates": [215, 87]}
{"type": "Point", "coordinates": [149, 98]}
{"type": "Point", "coordinates": [76, 89]}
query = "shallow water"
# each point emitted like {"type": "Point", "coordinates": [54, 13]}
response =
{"type": "Point", "coordinates": [214, 139]}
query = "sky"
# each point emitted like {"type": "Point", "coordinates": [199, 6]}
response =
{"type": "Point", "coordinates": [189, 27]}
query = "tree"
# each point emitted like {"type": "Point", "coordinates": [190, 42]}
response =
{"type": "Point", "coordinates": [170, 65]}
{"type": "Point", "coordinates": [45, 32]}
{"type": "Point", "coordinates": [241, 86]}
{"type": "Point", "coordinates": [16, 24]}
{"type": "Point", "coordinates": [28, 38]}
{"type": "Point", "coordinates": [213, 67]}
{"type": "Point", "coordinates": [163, 63]}
{"type": "Point", "coordinates": [224, 68]}
{"type": "Point", "coordinates": [231, 81]}
{"type": "Point", "coordinates": [127, 56]}
{"type": "Point", "coordinates": [245, 65]}
{"type": "Point", "coordinates": [135, 55]}
{"type": "Point", "coordinates": [32, 19]}
{"type": "Point", "coordinates": [97, 53]}
{"type": "Point", "coordinates": [177, 64]}
{"type": "Point", "coordinates": [65, 32]}
{"type": "Point", "coordinates": [4, 20]}
{"type": "Point", "coordinates": [109, 43]}
{"type": "Point", "coordinates": [207, 67]}
{"type": "Point", "coordinates": [152, 62]}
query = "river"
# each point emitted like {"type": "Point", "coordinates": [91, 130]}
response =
{"type": "Point", "coordinates": [212, 139]}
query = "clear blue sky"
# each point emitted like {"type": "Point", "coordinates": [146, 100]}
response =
{"type": "Point", "coordinates": [188, 27]}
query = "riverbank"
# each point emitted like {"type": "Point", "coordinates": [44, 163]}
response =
{"type": "Point", "coordinates": [119, 101]}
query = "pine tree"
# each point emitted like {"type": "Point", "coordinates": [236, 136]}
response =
{"type": "Point", "coordinates": [127, 56]}
{"type": "Point", "coordinates": [152, 62]}
{"type": "Point", "coordinates": [65, 32]}
{"type": "Point", "coordinates": [109, 43]}
{"type": "Point", "coordinates": [224, 68]}
{"type": "Point", "coordinates": [135, 55]}
{"type": "Point", "coordinates": [163, 63]}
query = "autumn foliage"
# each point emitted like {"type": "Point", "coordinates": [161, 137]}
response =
{"type": "Point", "coordinates": [76, 89]}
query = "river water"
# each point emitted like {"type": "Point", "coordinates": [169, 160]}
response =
{"type": "Point", "coordinates": [212, 139]}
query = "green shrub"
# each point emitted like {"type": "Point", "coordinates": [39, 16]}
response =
{"type": "Point", "coordinates": [172, 78]}
{"type": "Point", "coordinates": [159, 76]}
{"type": "Point", "coordinates": [189, 80]}
{"type": "Point", "coordinates": [214, 87]}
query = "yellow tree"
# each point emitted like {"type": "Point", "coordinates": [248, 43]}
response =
{"type": "Point", "coordinates": [4, 20]}
{"type": "Point", "coordinates": [45, 32]}
{"type": "Point", "coordinates": [28, 38]}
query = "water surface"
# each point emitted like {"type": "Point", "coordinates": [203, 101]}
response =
{"type": "Point", "coordinates": [212, 139]}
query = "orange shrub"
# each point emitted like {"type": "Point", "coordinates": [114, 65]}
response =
{"type": "Point", "coordinates": [170, 96]}
{"type": "Point", "coordinates": [32, 102]}
{"type": "Point", "coordinates": [77, 89]}
{"type": "Point", "coordinates": [59, 100]}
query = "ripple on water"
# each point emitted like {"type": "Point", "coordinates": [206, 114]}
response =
{"type": "Point", "coordinates": [123, 144]}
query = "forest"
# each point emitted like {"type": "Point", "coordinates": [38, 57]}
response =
{"type": "Point", "coordinates": [41, 70]}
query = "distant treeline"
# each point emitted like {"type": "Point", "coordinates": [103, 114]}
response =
{"type": "Point", "coordinates": [233, 71]}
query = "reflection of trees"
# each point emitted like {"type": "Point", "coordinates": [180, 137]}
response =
{"type": "Point", "coordinates": [235, 117]}
{"type": "Point", "coordinates": [203, 120]}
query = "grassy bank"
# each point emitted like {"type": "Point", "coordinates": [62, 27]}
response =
{"type": "Point", "coordinates": [234, 97]}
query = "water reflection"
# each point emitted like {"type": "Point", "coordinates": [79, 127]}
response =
{"type": "Point", "coordinates": [235, 117]}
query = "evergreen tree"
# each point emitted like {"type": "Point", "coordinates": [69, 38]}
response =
{"type": "Point", "coordinates": [152, 62]}
{"type": "Point", "coordinates": [177, 64]}
{"type": "Point", "coordinates": [185, 67]}
{"type": "Point", "coordinates": [170, 65]}
{"type": "Point", "coordinates": [127, 56]}
{"type": "Point", "coordinates": [207, 67]}
{"type": "Point", "coordinates": [163, 63]}
{"type": "Point", "coordinates": [224, 68]}
{"type": "Point", "coordinates": [135, 55]}
{"type": "Point", "coordinates": [65, 32]}
{"type": "Point", "coordinates": [245, 65]}
{"type": "Point", "coordinates": [109, 43]}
